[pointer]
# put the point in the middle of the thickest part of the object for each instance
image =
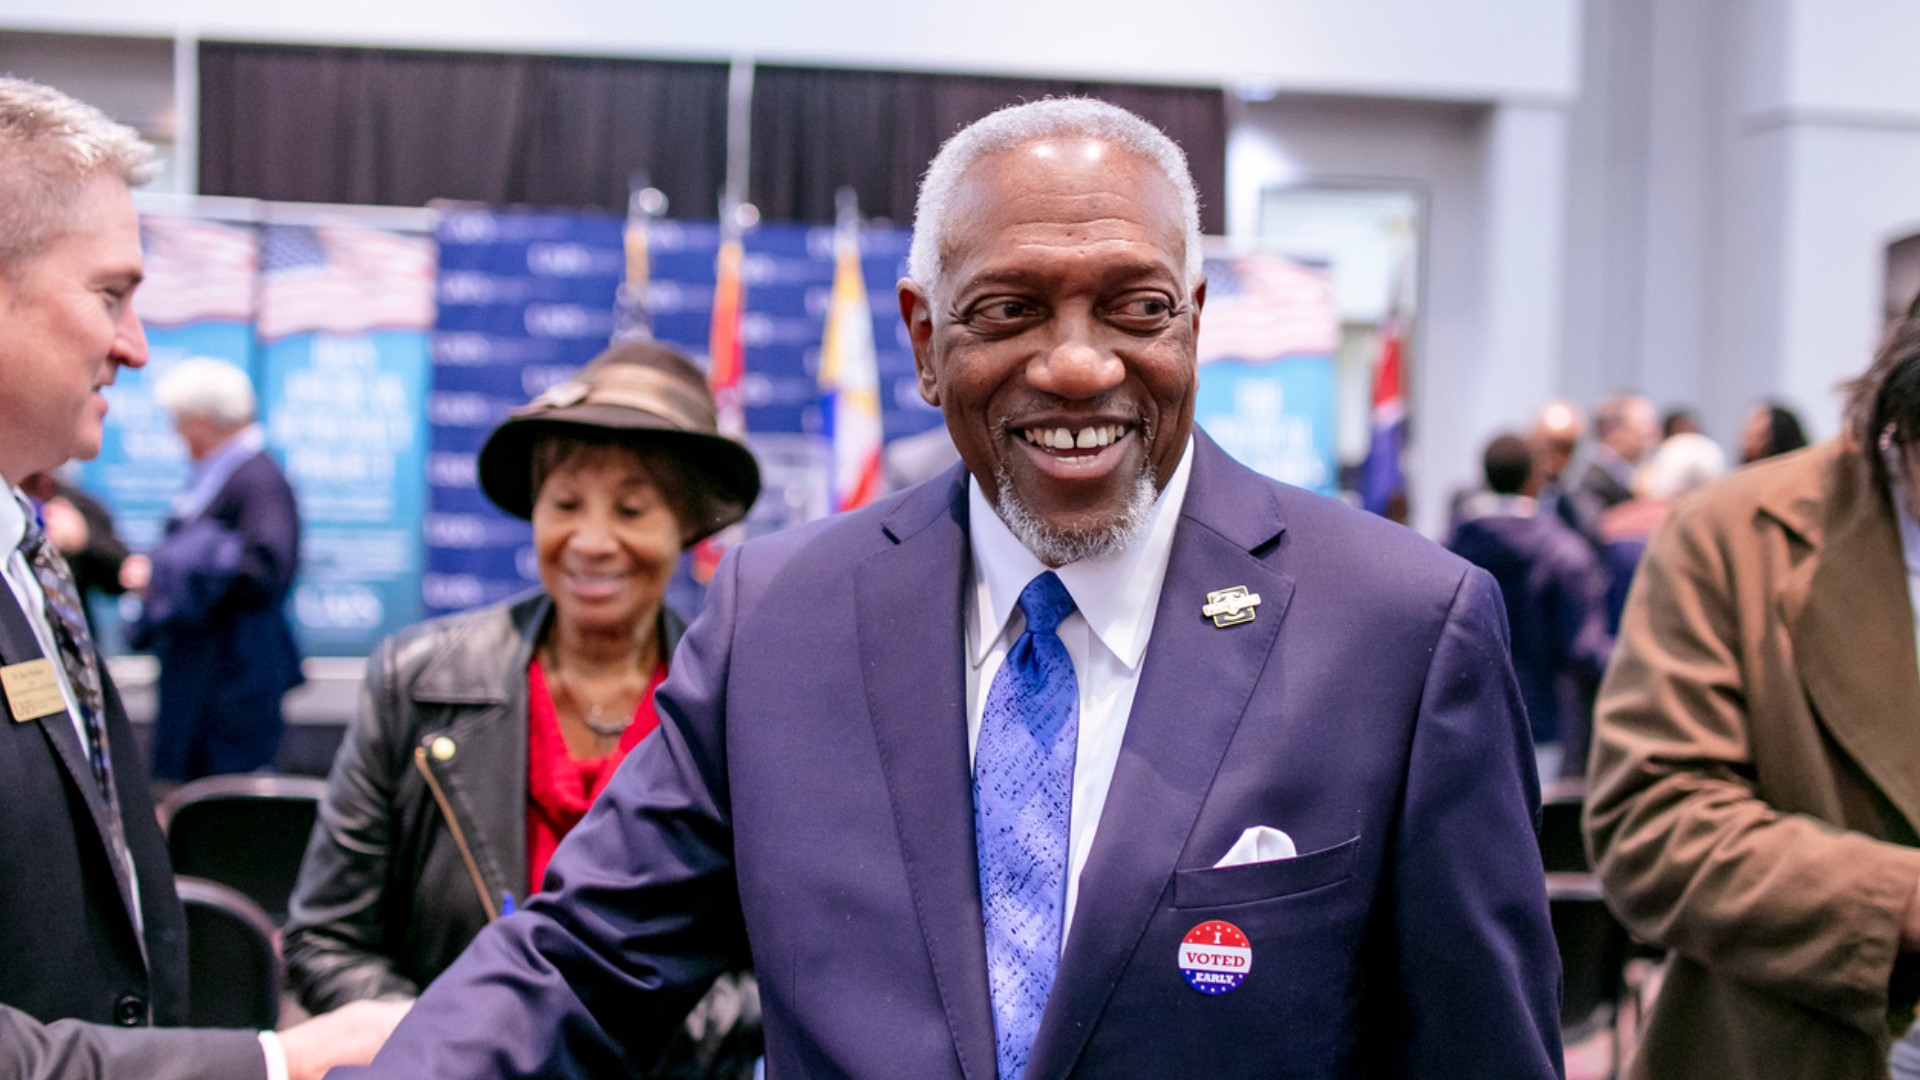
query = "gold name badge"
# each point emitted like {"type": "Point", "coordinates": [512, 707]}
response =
{"type": "Point", "coordinates": [33, 690]}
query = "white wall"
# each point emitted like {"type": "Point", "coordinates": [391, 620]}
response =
{"type": "Point", "coordinates": [1460, 48]}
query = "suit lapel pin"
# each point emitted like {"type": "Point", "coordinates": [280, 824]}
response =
{"type": "Point", "coordinates": [1230, 607]}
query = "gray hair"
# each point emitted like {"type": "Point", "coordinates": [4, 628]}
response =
{"type": "Point", "coordinates": [51, 147]}
{"type": "Point", "coordinates": [1017, 125]}
{"type": "Point", "coordinates": [202, 386]}
{"type": "Point", "coordinates": [1683, 464]}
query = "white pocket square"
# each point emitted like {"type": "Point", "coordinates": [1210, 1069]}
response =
{"type": "Point", "coordinates": [1261, 843]}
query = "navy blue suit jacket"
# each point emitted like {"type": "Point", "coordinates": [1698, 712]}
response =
{"type": "Point", "coordinates": [809, 788]}
{"type": "Point", "coordinates": [215, 619]}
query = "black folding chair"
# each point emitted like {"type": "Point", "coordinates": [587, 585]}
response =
{"type": "Point", "coordinates": [233, 958]}
{"type": "Point", "coordinates": [1561, 848]}
{"type": "Point", "coordinates": [1594, 949]}
{"type": "Point", "coordinates": [248, 832]}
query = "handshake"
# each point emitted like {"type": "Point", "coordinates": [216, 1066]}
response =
{"type": "Point", "coordinates": [349, 1035]}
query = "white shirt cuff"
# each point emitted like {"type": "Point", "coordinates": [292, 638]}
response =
{"type": "Point", "coordinates": [276, 1056]}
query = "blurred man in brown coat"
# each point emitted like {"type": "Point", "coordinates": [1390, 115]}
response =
{"type": "Point", "coordinates": [1755, 781]}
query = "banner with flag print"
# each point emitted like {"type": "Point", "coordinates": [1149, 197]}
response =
{"type": "Point", "coordinates": [1267, 379]}
{"type": "Point", "coordinates": [346, 310]}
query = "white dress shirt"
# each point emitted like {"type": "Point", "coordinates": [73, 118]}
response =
{"type": "Point", "coordinates": [1106, 636]}
{"type": "Point", "coordinates": [1909, 544]}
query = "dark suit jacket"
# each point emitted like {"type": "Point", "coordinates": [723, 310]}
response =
{"type": "Point", "coordinates": [68, 947]}
{"type": "Point", "coordinates": [215, 620]}
{"type": "Point", "coordinates": [1554, 591]}
{"type": "Point", "coordinates": [810, 789]}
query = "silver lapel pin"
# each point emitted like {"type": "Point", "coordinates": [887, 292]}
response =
{"type": "Point", "coordinates": [1230, 607]}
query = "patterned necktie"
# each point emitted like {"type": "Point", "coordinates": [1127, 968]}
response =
{"type": "Point", "coordinates": [68, 621]}
{"type": "Point", "coordinates": [1022, 805]}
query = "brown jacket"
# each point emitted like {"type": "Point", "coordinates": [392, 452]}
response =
{"type": "Point", "coordinates": [1755, 778]}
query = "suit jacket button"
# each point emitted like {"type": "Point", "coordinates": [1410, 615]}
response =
{"type": "Point", "coordinates": [130, 1010]}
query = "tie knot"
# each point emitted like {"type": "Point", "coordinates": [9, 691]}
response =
{"type": "Point", "coordinates": [1045, 601]}
{"type": "Point", "coordinates": [32, 535]}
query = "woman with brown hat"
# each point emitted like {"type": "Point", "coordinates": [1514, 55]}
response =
{"type": "Point", "coordinates": [482, 737]}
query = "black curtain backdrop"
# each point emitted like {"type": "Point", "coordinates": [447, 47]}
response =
{"type": "Point", "coordinates": [815, 130]}
{"type": "Point", "coordinates": [398, 128]}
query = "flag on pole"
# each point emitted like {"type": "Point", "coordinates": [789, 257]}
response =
{"type": "Point", "coordinates": [728, 356]}
{"type": "Point", "coordinates": [1382, 482]}
{"type": "Point", "coordinates": [632, 320]}
{"type": "Point", "coordinates": [850, 378]}
{"type": "Point", "coordinates": [728, 352]}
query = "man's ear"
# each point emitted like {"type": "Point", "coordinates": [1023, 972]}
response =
{"type": "Point", "coordinates": [1199, 301]}
{"type": "Point", "coordinates": [916, 310]}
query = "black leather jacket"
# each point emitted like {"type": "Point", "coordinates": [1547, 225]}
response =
{"type": "Point", "coordinates": [425, 822]}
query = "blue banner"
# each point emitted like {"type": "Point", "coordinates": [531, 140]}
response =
{"type": "Point", "coordinates": [1267, 380]}
{"type": "Point", "coordinates": [344, 315]}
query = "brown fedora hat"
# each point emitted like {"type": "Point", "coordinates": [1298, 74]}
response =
{"type": "Point", "coordinates": [640, 393]}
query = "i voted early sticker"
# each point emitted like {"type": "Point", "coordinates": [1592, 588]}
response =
{"type": "Point", "coordinates": [1215, 957]}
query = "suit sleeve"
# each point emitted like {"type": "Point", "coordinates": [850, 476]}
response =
{"type": "Point", "coordinates": [268, 521]}
{"type": "Point", "coordinates": [1692, 857]}
{"type": "Point", "coordinates": [337, 944]}
{"type": "Point", "coordinates": [1472, 968]}
{"type": "Point", "coordinates": [71, 1050]}
{"type": "Point", "coordinates": [639, 914]}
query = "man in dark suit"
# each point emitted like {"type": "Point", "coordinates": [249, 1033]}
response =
{"type": "Point", "coordinates": [92, 938]}
{"type": "Point", "coordinates": [1554, 591]}
{"type": "Point", "coordinates": [215, 587]}
{"type": "Point", "coordinates": [1625, 430]}
{"type": "Point", "coordinates": [1099, 755]}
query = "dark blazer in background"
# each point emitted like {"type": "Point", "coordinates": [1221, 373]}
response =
{"type": "Point", "coordinates": [809, 791]}
{"type": "Point", "coordinates": [68, 945]}
{"type": "Point", "coordinates": [214, 619]}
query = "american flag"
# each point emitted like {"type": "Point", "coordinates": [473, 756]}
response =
{"type": "Point", "coordinates": [196, 270]}
{"type": "Point", "coordinates": [1262, 307]}
{"type": "Point", "coordinates": [344, 279]}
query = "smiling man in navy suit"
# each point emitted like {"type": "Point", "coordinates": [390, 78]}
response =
{"type": "Point", "coordinates": [1098, 756]}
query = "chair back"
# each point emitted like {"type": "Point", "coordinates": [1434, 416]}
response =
{"type": "Point", "coordinates": [1562, 848]}
{"type": "Point", "coordinates": [248, 832]}
{"type": "Point", "coordinates": [233, 959]}
{"type": "Point", "coordinates": [1594, 948]}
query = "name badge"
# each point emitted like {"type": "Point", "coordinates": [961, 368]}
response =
{"type": "Point", "coordinates": [33, 690]}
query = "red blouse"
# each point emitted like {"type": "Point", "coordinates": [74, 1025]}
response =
{"type": "Point", "coordinates": [560, 786]}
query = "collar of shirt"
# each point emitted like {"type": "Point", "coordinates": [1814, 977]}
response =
{"type": "Point", "coordinates": [13, 521]}
{"type": "Point", "coordinates": [209, 476]}
{"type": "Point", "coordinates": [1903, 515]}
{"type": "Point", "coordinates": [1116, 594]}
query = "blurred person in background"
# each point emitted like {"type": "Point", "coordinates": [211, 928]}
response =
{"type": "Point", "coordinates": [214, 589]}
{"type": "Point", "coordinates": [1769, 429]}
{"type": "Point", "coordinates": [93, 950]}
{"type": "Point", "coordinates": [1554, 441]}
{"type": "Point", "coordinates": [1684, 464]}
{"type": "Point", "coordinates": [1681, 420]}
{"type": "Point", "coordinates": [1625, 431]}
{"type": "Point", "coordinates": [1552, 586]}
{"type": "Point", "coordinates": [482, 737]}
{"type": "Point", "coordinates": [1754, 797]}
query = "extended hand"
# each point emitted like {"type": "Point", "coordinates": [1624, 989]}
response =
{"type": "Point", "coordinates": [349, 1035]}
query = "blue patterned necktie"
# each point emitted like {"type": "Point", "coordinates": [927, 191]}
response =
{"type": "Point", "coordinates": [1022, 805]}
{"type": "Point", "coordinates": [68, 621]}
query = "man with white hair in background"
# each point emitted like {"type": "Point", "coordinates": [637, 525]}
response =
{"type": "Point", "coordinates": [1625, 430]}
{"type": "Point", "coordinates": [215, 587]}
{"type": "Point", "coordinates": [1097, 755]}
{"type": "Point", "coordinates": [92, 937]}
